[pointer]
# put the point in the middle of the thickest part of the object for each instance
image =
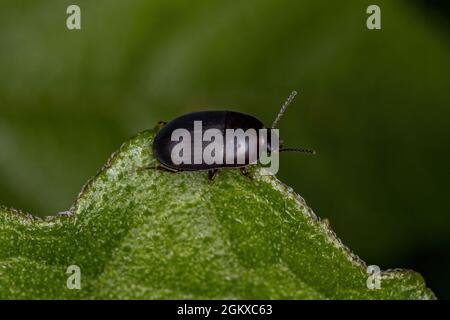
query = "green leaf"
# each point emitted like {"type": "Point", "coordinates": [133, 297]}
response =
{"type": "Point", "coordinates": [157, 235]}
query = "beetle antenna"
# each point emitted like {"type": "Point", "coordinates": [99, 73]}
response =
{"type": "Point", "coordinates": [283, 108]}
{"type": "Point", "coordinates": [303, 150]}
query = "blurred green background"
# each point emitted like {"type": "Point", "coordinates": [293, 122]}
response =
{"type": "Point", "coordinates": [374, 104]}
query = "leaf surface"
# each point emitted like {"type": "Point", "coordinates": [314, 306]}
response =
{"type": "Point", "coordinates": [155, 235]}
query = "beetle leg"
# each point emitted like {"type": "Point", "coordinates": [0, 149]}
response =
{"type": "Point", "coordinates": [246, 173]}
{"type": "Point", "coordinates": [158, 167]}
{"type": "Point", "coordinates": [161, 124]}
{"type": "Point", "coordinates": [212, 174]}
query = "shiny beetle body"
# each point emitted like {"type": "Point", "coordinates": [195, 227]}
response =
{"type": "Point", "coordinates": [221, 120]}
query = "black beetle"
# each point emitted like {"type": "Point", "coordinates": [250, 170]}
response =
{"type": "Point", "coordinates": [163, 143]}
